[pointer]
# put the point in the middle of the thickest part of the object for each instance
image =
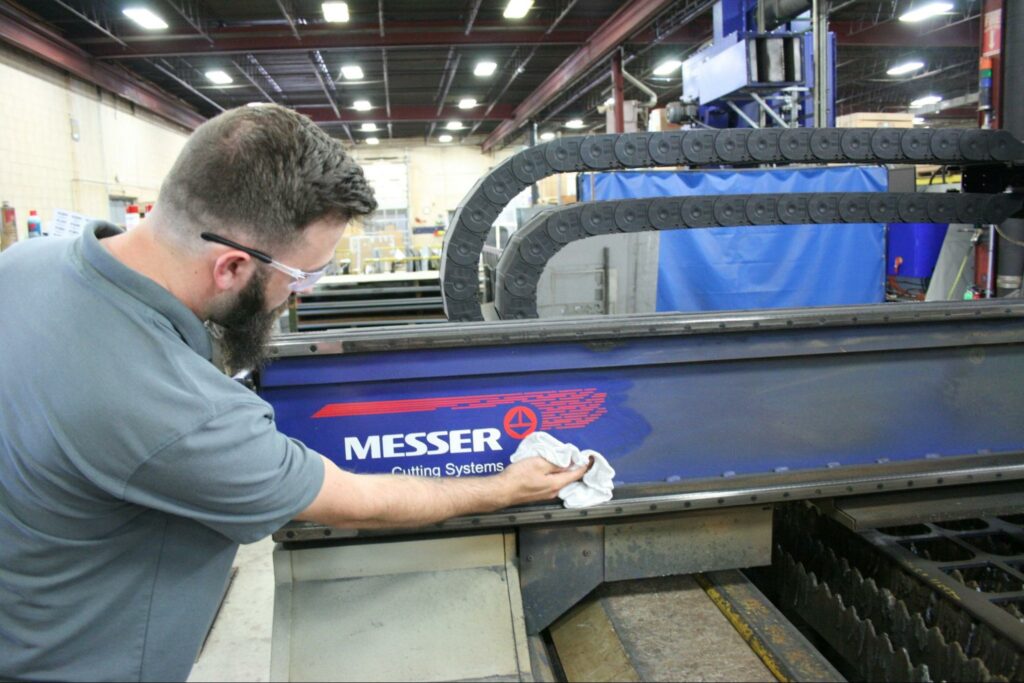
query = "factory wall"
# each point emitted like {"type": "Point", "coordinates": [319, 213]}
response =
{"type": "Point", "coordinates": [120, 151]}
{"type": "Point", "coordinates": [439, 176]}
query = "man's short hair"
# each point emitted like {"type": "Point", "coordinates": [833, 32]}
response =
{"type": "Point", "coordinates": [264, 171]}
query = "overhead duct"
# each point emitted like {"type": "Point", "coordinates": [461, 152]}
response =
{"type": "Point", "coordinates": [779, 11]}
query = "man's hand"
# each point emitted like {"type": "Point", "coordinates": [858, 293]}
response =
{"type": "Point", "coordinates": [535, 479]}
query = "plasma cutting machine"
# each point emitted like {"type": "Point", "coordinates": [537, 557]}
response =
{"type": "Point", "coordinates": [710, 420]}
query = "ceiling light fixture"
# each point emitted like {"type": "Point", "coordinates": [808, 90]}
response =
{"type": "Point", "coordinates": [352, 72]}
{"type": "Point", "coordinates": [335, 12]}
{"type": "Point", "coordinates": [368, 127]}
{"type": "Point", "coordinates": [517, 9]}
{"type": "Point", "coordinates": [219, 77]}
{"type": "Point", "coordinates": [574, 123]}
{"type": "Point", "coordinates": [484, 68]}
{"type": "Point", "coordinates": [144, 18]}
{"type": "Point", "coordinates": [467, 103]}
{"type": "Point", "coordinates": [905, 68]}
{"type": "Point", "coordinates": [926, 11]}
{"type": "Point", "coordinates": [444, 138]}
{"type": "Point", "coordinates": [917, 120]}
{"type": "Point", "coordinates": [454, 125]}
{"type": "Point", "coordinates": [668, 67]}
{"type": "Point", "coordinates": [547, 136]}
{"type": "Point", "coordinates": [362, 105]}
{"type": "Point", "coordinates": [372, 141]}
{"type": "Point", "coordinates": [925, 101]}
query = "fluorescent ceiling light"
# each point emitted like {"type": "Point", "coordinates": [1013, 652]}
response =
{"type": "Point", "coordinates": [219, 77]}
{"type": "Point", "coordinates": [668, 67]}
{"type": "Point", "coordinates": [574, 123]}
{"type": "Point", "coordinates": [372, 141]}
{"type": "Point", "coordinates": [444, 138]}
{"type": "Point", "coordinates": [352, 72]}
{"type": "Point", "coordinates": [926, 11]}
{"type": "Point", "coordinates": [144, 18]}
{"type": "Point", "coordinates": [467, 103]}
{"type": "Point", "coordinates": [368, 127]}
{"type": "Point", "coordinates": [925, 101]}
{"type": "Point", "coordinates": [918, 120]}
{"type": "Point", "coordinates": [905, 68]}
{"type": "Point", "coordinates": [362, 105]}
{"type": "Point", "coordinates": [454, 125]}
{"type": "Point", "coordinates": [335, 12]}
{"type": "Point", "coordinates": [547, 136]}
{"type": "Point", "coordinates": [517, 9]}
{"type": "Point", "coordinates": [484, 68]}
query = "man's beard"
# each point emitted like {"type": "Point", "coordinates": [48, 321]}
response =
{"type": "Point", "coordinates": [245, 328]}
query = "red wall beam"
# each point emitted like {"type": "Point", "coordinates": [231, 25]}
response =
{"type": "Point", "coordinates": [19, 31]}
{"type": "Point", "coordinates": [629, 19]}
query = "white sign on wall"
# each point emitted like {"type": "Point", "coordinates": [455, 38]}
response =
{"type": "Point", "coordinates": [390, 183]}
{"type": "Point", "coordinates": [67, 223]}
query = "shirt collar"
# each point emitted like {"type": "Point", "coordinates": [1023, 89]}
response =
{"type": "Point", "coordinates": [191, 328]}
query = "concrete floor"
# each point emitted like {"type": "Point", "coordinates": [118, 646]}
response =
{"type": "Point", "coordinates": [238, 647]}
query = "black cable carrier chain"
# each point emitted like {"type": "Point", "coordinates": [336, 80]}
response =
{"type": "Point", "coordinates": [728, 147]}
{"type": "Point", "coordinates": [531, 247]}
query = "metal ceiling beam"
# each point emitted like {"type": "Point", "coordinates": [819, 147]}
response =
{"type": "Point", "coordinates": [403, 113]}
{"type": "Point", "coordinates": [899, 34]}
{"type": "Point", "coordinates": [189, 12]}
{"type": "Point", "coordinates": [387, 88]}
{"type": "Point", "coordinates": [322, 75]}
{"type": "Point", "coordinates": [283, 6]}
{"type": "Point", "coordinates": [228, 43]}
{"type": "Point", "coordinates": [266, 76]}
{"type": "Point", "coordinates": [252, 80]}
{"type": "Point", "coordinates": [522, 66]}
{"type": "Point", "coordinates": [168, 71]}
{"type": "Point", "coordinates": [472, 16]}
{"type": "Point", "coordinates": [629, 19]}
{"type": "Point", "coordinates": [315, 60]}
{"type": "Point", "coordinates": [25, 34]}
{"type": "Point", "coordinates": [92, 22]}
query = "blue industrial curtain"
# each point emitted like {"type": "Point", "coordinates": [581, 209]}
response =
{"type": "Point", "coordinates": [765, 266]}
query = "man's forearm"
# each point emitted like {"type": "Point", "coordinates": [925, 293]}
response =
{"type": "Point", "coordinates": [404, 501]}
{"type": "Point", "coordinates": [365, 501]}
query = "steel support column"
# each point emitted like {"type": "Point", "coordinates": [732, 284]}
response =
{"type": "Point", "coordinates": [617, 94]}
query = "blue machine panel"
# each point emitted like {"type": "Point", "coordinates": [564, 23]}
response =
{"type": "Point", "coordinates": [663, 408]}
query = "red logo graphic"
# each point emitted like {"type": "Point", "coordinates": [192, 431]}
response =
{"type": "Point", "coordinates": [555, 409]}
{"type": "Point", "coordinates": [520, 422]}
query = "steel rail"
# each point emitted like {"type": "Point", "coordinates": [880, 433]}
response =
{"type": "Point", "coordinates": [659, 499]}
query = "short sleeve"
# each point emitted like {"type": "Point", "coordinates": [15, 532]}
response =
{"type": "Point", "coordinates": [234, 473]}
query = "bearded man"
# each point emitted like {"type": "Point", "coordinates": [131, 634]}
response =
{"type": "Point", "coordinates": [131, 467]}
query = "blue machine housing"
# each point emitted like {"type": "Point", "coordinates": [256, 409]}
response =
{"type": "Point", "coordinates": [666, 397]}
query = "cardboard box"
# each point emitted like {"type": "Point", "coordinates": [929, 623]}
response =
{"type": "Point", "coordinates": [875, 119]}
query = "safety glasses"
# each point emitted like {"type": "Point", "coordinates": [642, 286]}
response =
{"type": "Point", "coordinates": [302, 279]}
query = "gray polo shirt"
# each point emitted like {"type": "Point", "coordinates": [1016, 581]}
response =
{"type": "Point", "coordinates": [130, 469]}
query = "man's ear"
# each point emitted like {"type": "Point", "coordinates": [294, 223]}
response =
{"type": "Point", "coordinates": [232, 270]}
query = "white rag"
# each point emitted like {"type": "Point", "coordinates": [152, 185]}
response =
{"type": "Point", "coordinates": [596, 485]}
